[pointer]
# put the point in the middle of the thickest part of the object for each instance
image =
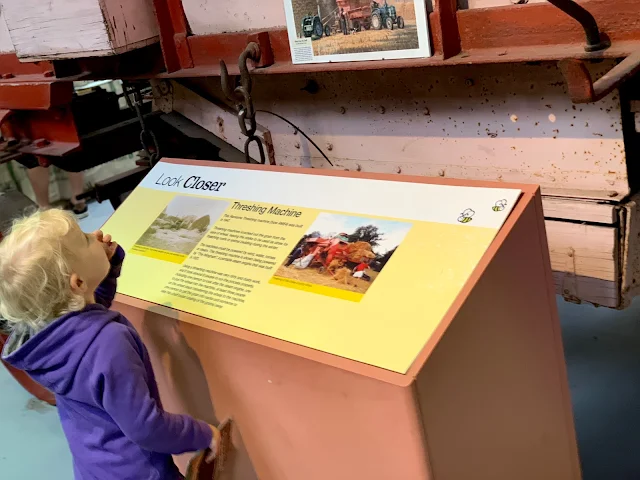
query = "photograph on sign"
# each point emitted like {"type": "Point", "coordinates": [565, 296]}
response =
{"type": "Point", "coordinates": [180, 227]}
{"type": "Point", "coordinates": [342, 252]}
{"type": "Point", "coordinates": [349, 30]}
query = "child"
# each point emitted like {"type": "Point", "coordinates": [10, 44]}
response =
{"type": "Point", "coordinates": [56, 285]}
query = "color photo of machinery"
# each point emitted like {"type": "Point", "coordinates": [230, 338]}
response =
{"type": "Point", "coordinates": [352, 27]}
{"type": "Point", "coordinates": [348, 18]}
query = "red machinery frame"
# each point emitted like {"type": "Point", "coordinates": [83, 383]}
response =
{"type": "Point", "coordinates": [517, 33]}
{"type": "Point", "coordinates": [522, 33]}
{"type": "Point", "coordinates": [36, 118]}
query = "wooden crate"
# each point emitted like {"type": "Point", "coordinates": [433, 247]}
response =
{"type": "Point", "coordinates": [58, 29]}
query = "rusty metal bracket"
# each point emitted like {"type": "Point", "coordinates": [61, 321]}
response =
{"type": "Point", "coordinates": [595, 40]}
{"type": "Point", "coordinates": [263, 40]}
{"type": "Point", "coordinates": [582, 89]}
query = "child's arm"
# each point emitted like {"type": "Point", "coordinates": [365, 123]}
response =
{"type": "Point", "coordinates": [126, 397]}
{"type": "Point", "coordinates": [106, 291]}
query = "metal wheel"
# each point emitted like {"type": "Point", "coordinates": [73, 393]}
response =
{"type": "Point", "coordinates": [317, 27]}
{"type": "Point", "coordinates": [388, 22]}
{"type": "Point", "coordinates": [376, 21]}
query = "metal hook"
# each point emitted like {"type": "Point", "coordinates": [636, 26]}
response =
{"type": "Point", "coordinates": [225, 82]}
{"type": "Point", "coordinates": [252, 51]}
{"type": "Point", "coordinates": [241, 96]}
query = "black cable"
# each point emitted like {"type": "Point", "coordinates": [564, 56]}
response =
{"type": "Point", "coordinates": [298, 130]}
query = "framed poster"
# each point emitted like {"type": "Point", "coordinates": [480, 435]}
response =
{"type": "Point", "coordinates": [351, 30]}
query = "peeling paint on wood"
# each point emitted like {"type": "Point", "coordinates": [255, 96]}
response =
{"type": "Point", "coordinates": [75, 28]}
{"type": "Point", "coordinates": [6, 46]}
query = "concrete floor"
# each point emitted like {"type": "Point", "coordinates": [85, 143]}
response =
{"type": "Point", "coordinates": [603, 354]}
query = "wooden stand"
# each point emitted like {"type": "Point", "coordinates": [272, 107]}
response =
{"type": "Point", "coordinates": [486, 399]}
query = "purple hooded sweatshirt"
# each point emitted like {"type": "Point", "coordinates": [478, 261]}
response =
{"type": "Point", "coordinates": [99, 370]}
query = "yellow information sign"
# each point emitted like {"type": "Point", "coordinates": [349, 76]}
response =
{"type": "Point", "coordinates": [364, 269]}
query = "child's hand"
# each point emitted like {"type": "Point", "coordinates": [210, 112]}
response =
{"type": "Point", "coordinates": [109, 245]}
{"type": "Point", "coordinates": [215, 444]}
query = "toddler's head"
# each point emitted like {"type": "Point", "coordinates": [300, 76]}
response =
{"type": "Point", "coordinates": [48, 267]}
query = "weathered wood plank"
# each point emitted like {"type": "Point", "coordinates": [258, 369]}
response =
{"type": "Point", "coordinates": [581, 210]}
{"type": "Point", "coordinates": [6, 45]}
{"type": "Point", "coordinates": [583, 250]}
{"type": "Point", "coordinates": [579, 289]}
{"type": "Point", "coordinates": [73, 28]}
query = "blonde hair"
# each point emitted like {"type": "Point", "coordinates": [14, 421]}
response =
{"type": "Point", "coordinates": [35, 272]}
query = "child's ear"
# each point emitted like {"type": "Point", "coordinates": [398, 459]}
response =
{"type": "Point", "coordinates": [77, 284]}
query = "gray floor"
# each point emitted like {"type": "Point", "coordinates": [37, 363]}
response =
{"type": "Point", "coordinates": [603, 353]}
{"type": "Point", "coordinates": [602, 348]}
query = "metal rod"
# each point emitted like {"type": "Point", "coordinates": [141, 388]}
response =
{"type": "Point", "coordinates": [595, 42]}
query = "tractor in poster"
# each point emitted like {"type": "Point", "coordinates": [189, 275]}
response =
{"type": "Point", "coordinates": [351, 16]}
{"type": "Point", "coordinates": [314, 26]}
{"type": "Point", "coordinates": [362, 14]}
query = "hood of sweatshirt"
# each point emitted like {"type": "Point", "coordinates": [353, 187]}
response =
{"type": "Point", "coordinates": [52, 356]}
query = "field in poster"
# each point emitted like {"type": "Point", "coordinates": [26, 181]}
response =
{"type": "Point", "coordinates": [341, 252]}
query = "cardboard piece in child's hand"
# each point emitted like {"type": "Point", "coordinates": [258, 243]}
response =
{"type": "Point", "coordinates": [199, 469]}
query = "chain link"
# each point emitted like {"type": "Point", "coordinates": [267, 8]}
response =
{"type": "Point", "coordinates": [241, 96]}
{"type": "Point", "coordinates": [148, 139]}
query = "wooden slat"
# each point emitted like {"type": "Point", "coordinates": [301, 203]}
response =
{"type": "Point", "coordinates": [583, 250]}
{"type": "Point", "coordinates": [584, 259]}
{"type": "Point", "coordinates": [579, 210]}
{"type": "Point", "coordinates": [584, 289]}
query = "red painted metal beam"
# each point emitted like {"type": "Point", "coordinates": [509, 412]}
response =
{"type": "Point", "coordinates": [173, 34]}
{"type": "Point", "coordinates": [208, 50]}
{"type": "Point", "coordinates": [10, 65]}
{"type": "Point", "coordinates": [444, 28]}
{"type": "Point", "coordinates": [30, 86]}
{"type": "Point", "coordinates": [543, 24]}
{"type": "Point", "coordinates": [26, 94]}
{"type": "Point", "coordinates": [582, 89]}
{"type": "Point", "coordinates": [516, 33]}
{"type": "Point", "coordinates": [43, 133]}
